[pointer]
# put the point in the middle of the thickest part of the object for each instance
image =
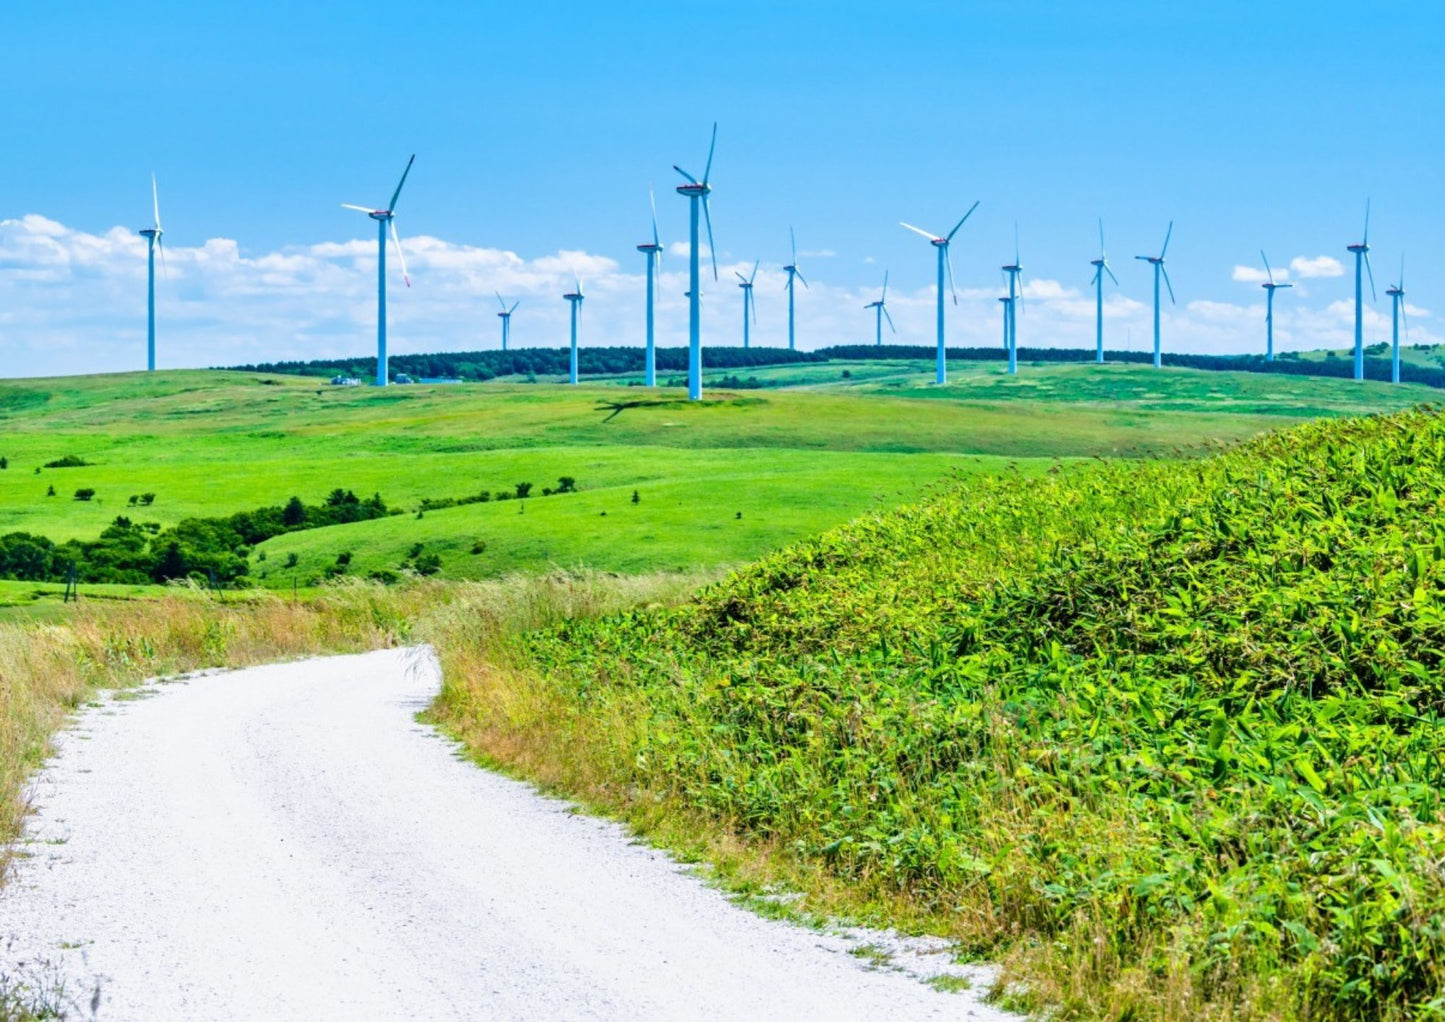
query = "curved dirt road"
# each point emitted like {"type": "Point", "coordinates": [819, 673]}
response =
{"type": "Point", "coordinates": [287, 842]}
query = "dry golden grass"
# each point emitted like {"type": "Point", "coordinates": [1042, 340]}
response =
{"type": "Point", "coordinates": [48, 670]}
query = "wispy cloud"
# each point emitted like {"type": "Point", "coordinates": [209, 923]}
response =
{"type": "Point", "coordinates": [1257, 275]}
{"type": "Point", "coordinates": [1309, 268]}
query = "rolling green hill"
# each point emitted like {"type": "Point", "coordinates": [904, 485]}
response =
{"type": "Point", "coordinates": [810, 449]}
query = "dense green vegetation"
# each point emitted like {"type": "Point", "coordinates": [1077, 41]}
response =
{"type": "Point", "coordinates": [1416, 364]}
{"type": "Point", "coordinates": [1169, 737]}
{"type": "Point", "coordinates": [212, 550]}
{"type": "Point", "coordinates": [487, 365]}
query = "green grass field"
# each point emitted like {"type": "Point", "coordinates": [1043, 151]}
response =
{"type": "Point", "coordinates": [719, 482]}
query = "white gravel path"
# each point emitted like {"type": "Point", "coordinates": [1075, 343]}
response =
{"type": "Point", "coordinates": [286, 842]}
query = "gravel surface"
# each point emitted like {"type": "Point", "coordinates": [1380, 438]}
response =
{"type": "Point", "coordinates": [287, 842]}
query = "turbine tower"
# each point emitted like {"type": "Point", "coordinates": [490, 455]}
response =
{"type": "Point", "coordinates": [1270, 287]}
{"type": "Point", "coordinates": [506, 317]}
{"type": "Point", "coordinates": [697, 193]}
{"type": "Point", "coordinates": [1362, 255]}
{"type": "Point", "coordinates": [1101, 267]}
{"type": "Point", "coordinates": [941, 243]}
{"type": "Point", "coordinates": [748, 303]}
{"type": "Point", "coordinates": [1015, 297]}
{"type": "Point", "coordinates": [653, 251]}
{"type": "Point", "coordinates": [880, 310]}
{"type": "Point", "coordinates": [152, 236]}
{"type": "Point", "coordinates": [1397, 314]}
{"type": "Point", "coordinates": [1007, 302]}
{"type": "Point", "coordinates": [575, 298]}
{"type": "Point", "coordinates": [792, 271]}
{"type": "Point", "coordinates": [1158, 263]}
{"type": "Point", "coordinates": [383, 218]}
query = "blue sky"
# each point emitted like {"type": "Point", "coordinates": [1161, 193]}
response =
{"type": "Point", "coordinates": [539, 127]}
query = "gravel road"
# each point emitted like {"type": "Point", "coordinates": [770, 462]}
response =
{"type": "Point", "coordinates": [287, 842]}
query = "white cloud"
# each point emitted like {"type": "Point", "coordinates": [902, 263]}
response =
{"type": "Point", "coordinates": [72, 301]}
{"type": "Point", "coordinates": [1319, 266]}
{"type": "Point", "coordinates": [1251, 275]}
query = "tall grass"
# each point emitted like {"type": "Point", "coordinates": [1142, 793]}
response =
{"type": "Point", "coordinates": [47, 670]}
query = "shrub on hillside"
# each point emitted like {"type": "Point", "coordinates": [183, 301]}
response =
{"type": "Point", "coordinates": [1171, 733]}
{"type": "Point", "coordinates": [85, 493]}
{"type": "Point", "coordinates": [68, 461]}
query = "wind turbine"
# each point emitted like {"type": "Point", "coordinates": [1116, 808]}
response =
{"type": "Point", "coordinates": [941, 243]}
{"type": "Point", "coordinates": [748, 304]}
{"type": "Point", "coordinates": [152, 236]}
{"type": "Point", "coordinates": [653, 252]}
{"type": "Point", "coordinates": [383, 218]}
{"type": "Point", "coordinates": [1397, 313]}
{"type": "Point", "coordinates": [1158, 263]}
{"type": "Point", "coordinates": [1362, 255]}
{"type": "Point", "coordinates": [697, 192]}
{"type": "Point", "coordinates": [792, 271]}
{"type": "Point", "coordinates": [1015, 297]}
{"type": "Point", "coordinates": [1101, 267]}
{"type": "Point", "coordinates": [1270, 287]}
{"type": "Point", "coordinates": [575, 298]}
{"type": "Point", "coordinates": [506, 317]}
{"type": "Point", "coordinates": [880, 308]}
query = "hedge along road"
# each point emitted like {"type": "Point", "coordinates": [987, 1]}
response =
{"type": "Point", "coordinates": [288, 842]}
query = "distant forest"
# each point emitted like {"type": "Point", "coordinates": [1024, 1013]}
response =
{"type": "Point", "coordinates": [487, 365]}
{"type": "Point", "coordinates": [524, 362]}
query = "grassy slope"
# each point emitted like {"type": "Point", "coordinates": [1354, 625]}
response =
{"type": "Point", "coordinates": [793, 461]}
{"type": "Point", "coordinates": [1165, 736]}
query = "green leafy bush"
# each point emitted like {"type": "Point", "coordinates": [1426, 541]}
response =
{"type": "Point", "coordinates": [1170, 737]}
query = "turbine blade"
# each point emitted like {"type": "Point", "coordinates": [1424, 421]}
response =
{"type": "Point", "coordinates": [793, 240]}
{"type": "Point", "coordinates": [884, 296]}
{"type": "Point", "coordinates": [156, 199]}
{"type": "Point", "coordinates": [400, 256]}
{"type": "Point", "coordinates": [1373, 297]}
{"type": "Point", "coordinates": [1095, 279]}
{"type": "Point", "coordinates": [711, 249]}
{"type": "Point", "coordinates": [360, 209]}
{"type": "Point", "coordinates": [799, 274]}
{"type": "Point", "coordinates": [1016, 243]}
{"type": "Point", "coordinates": [1101, 237]}
{"type": "Point", "coordinates": [948, 260]}
{"type": "Point", "coordinates": [161, 247]}
{"type": "Point", "coordinates": [890, 320]}
{"type": "Point", "coordinates": [740, 276]}
{"type": "Point", "coordinates": [1267, 270]}
{"type": "Point", "coordinates": [397, 194]}
{"type": "Point", "coordinates": [514, 306]}
{"type": "Point", "coordinates": [754, 303]}
{"type": "Point", "coordinates": [652, 198]}
{"type": "Point", "coordinates": [1167, 235]}
{"type": "Point", "coordinates": [1167, 284]}
{"type": "Point", "coordinates": [1111, 274]}
{"type": "Point", "coordinates": [684, 173]}
{"type": "Point", "coordinates": [960, 223]}
{"type": "Point", "coordinates": [918, 230]}
{"type": "Point", "coordinates": [1367, 221]}
{"type": "Point", "coordinates": [754, 275]}
{"type": "Point", "coordinates": [500, 301]}
{"type": "Point", "coordinates": [712, 147]}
